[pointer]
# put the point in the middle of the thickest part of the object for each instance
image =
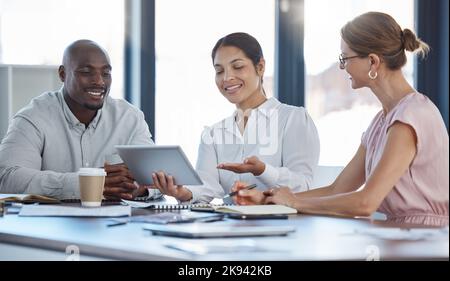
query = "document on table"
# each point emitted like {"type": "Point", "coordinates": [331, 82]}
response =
{"type": "Point", "coordinates": [71, 211]}
{"type": "Point", "coordinates": [389, 233]}
{"type": "Point", "coordinates": [203, 247]}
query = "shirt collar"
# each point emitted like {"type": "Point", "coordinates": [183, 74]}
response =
{"type": "Point", "coordinates": [266, 109]}
{"type": "Point", "coordinates": [71, 118]}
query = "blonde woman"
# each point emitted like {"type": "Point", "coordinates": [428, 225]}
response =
{"type": "Point", "coordinates": [403, 158]}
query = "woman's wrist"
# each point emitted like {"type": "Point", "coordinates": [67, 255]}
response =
{"type": "Point", "coordinates": [260, 168]}
{"type": "Point", "coordinates": [295, 203]}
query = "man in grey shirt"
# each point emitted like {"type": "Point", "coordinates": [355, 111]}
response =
{"type": "Point", "coordinates": [50, 139]}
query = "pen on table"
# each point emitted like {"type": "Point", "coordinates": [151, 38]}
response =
{"type": "Point", "coordinates": [248, 187]}
{"type": "Point", "coordinates": [116, 223]}
{"type": "Point", "coordinates": [211, 219]}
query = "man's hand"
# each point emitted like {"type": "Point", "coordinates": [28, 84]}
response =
{"type": "Point", "coordinates": [142, 190]}
{"type": "Point", "coordinates": [166, 185]}
{"type": "Point", "coordinates": [251, 165]}
{"type": "Point", "coordinates": [119, 183]}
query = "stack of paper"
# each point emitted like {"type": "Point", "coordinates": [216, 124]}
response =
{"type": "Point", "coordinates": [69, 211]}
{"type": "Point", "coordinates": [389, 233]}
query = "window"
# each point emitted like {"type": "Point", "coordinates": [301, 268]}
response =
{"type": "Point", "coordinates": [37, 32]}
{"type": "Point", "coordinates": [187, 98]}
{"type": "Point", "coordinates": [340, 113]}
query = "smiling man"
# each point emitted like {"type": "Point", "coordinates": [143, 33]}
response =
{"type": "Point", "coordinates": [59, 132]}
{"type": "Point", "coordinates": [86, 73]}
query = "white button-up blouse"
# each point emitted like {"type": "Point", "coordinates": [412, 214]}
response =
{"type": "Point", "coordinates": [284, 137]}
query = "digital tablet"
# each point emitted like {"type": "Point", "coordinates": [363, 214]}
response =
{"type": "Point", "coordinates": [143, 160]}
{"type": "Point", "coordinates": [208, 231]}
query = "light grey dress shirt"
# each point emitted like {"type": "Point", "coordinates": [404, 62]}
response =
{"type": "Point", "coordinates": [46, 144]}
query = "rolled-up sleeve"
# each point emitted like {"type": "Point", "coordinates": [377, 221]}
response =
{"type": "Point", "coordinates": [20, 164]}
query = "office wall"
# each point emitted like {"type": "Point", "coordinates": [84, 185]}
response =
{"type": "Point", "coordinates": [4, 100]}
{"type": "Point", "coordinates": [19, 84]}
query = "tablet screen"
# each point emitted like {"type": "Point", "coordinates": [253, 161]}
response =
{"type": "Point", "coordinates": [143, 160]}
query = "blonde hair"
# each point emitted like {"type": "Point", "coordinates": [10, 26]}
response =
{"type": "Point", "coordinates": [379, 33]}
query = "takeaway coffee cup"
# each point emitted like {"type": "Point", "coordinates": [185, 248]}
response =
{"type": "Point", "coordinates": [92, 181]}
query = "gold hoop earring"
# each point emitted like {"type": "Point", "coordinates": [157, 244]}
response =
{"type": "Point", "coordinates": [373, 77]}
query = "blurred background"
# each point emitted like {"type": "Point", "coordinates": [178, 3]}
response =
{"type": "Point", "coordinates": [161, 57]}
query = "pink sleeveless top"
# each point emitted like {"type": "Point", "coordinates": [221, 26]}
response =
{"type": "Point", "coordinates": [421, 194]}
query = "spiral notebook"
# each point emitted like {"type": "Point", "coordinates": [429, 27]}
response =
{"type": "Point", "coordinates": [229, 209]}
{"type": "Point", "coordinates": [171, 205]}
{"type": "Point", "coordinates": [202, 207]}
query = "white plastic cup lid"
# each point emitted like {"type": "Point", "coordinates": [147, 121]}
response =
{"type": "Point", "coordinates": [92, 172]}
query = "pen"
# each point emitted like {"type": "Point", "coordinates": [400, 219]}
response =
{"type": "Point", "coordinates": [116, 223]}
{"type": "Point", "coordinates": [248, 187]}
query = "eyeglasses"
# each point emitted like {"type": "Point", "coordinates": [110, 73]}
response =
{"type": "Point", "coordinates": [342, 60]}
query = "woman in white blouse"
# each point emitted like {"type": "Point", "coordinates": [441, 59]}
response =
{"type": "Point", "coordinates": [263, 142]}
